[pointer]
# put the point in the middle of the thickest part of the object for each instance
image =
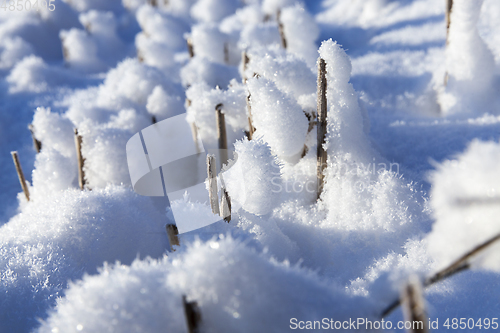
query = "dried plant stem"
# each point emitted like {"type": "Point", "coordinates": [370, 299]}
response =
{"type": "Point", "coordinates": [461, 263]}
{"type": "Point", "coordinates": [194, 129]}
{"type": "Point", "coordinates": [65, 52]}
{"type": "Point", "coordinates": [20, 174]}
{"type": "Point", "coordinates": [172, 234]}
{"type": "Point", "coordinates": [36, 143]}
{"type": "Point", "coordinates": [225, 202]}
{"type": "Point", "coordinates": [212, 184]}
{"type": "Point", "coordinates": [311, 117]}
{"type": "Point", "coordinates": [192, 314]}
{"type": "Point", "coordinates": [414, 306]}
{"type": "Point", "coordinates": [281, 30]}
{"type": "Point", "coordinates": [80, 159]}
{"type": "Point", "coordinates": [321, 122]}
{"type": "Point", "coordinates": [449, 7]}
{"type": "Point", "coordinates": [457, 266]}
{"type": "Point", "coordinates": [221, 133]}
{"type": "Point", "coordinates": [190, 47]}
{"type": "Point", "coordinates": [245, 60]}
{"type": "Point", "coordinates": [140, 56]}
{"type": "Point", "coordinates": [251, 129]}
{"type": "Point", "coordinates": [194, 132]}
{"type": "Point", "coordinates": [226, 54]}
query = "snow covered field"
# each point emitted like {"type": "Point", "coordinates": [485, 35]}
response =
{"type": "Point", "coordinates": [412, 180]}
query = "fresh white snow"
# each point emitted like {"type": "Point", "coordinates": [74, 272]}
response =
{"type": "Point", "coordinates": [412, 180]}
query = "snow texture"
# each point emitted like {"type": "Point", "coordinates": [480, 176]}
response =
{"type": "Point", "coordinates": [279, 119]}
{"type": "Point", "coordinates": [411, 181]}
{"type": "Point", "coordinates": [466, 206]}
{"type": "Point", "coordinates": [469, 63]}
{"type": "Point", "coordinates": [240, 281]}
{"type": "Point", "coordinates": [61, 236]}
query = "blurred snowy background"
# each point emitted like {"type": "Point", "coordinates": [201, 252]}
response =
{"type": "Point", "coordinates": [412, 181]}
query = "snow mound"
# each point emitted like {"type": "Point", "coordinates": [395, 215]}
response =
{"type": "Point", "coordinates": [465, 199]}
{"type": "Point", "coordinates": [229, 282]}
{"type": "Point", "coordinates": [162, 105]}
{"type": "Point", "coordinates": [301, 33]}
{"type": "Point", "coordinates": [252, 181]}
{"type": "Point", "coordinates": [12, 50]}
{"type": "Point", "coordinates": [277, 117]}
{"type": "Point", "coordinates": [470, 64]}
{"type": "Point", "coordinates": [213, 10]}
{"type": "Point", "coordinates": [131, 83]}
{"type": "Point", "coordinates": [200, 69]}
{"type": "Point", "coordinates": [59, 237]}
{"type": "Point", "coordinates": [290, 74]}
{"type": "Point", "coordinates": [32, 74]}
{"type": "Point", "coordinates": [201, 111]}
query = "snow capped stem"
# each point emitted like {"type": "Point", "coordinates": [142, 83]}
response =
{"type": "Point", "coordinates": [225, 202]}
{"type": "Point", "coordinates": [172, 234]}
{"type": "Point", "coordinates": [194, 131]}
{"type": "Point", "coordinates": [65, 51]}
{"type": "Point", "coordinates": [190, 47]}
{"type": "Point", "coordinates": [461, 263]}
{"type": "Point", "coordinates": [226, 54]}
{"type": "Point", "coordinates": [311, 117]}
{"type": "Point", "coordinates": [251, 128]}
{"type": "Point", "coordinates": [414, 306]}
{"type": "Point", "coordinates": [212, 184]}
{"type": "Point", "coordinates": [140, 56]}
{"type": "Point", "coordinates": [281, 29]}
{"type": "Point", "coordinates": [20, 174]}
{"type": "Point", "coordinates": [245, 60]}
{"type": "Point", "coordinates": [449, 6]}
{"type": "Point", "coordinates": [81, 160]}
{"type": "Point", "coordinates": [457, 266]}
{"type": "Point", "coordinates": [37, 144]}
{"type": "Point", "coordinates": [193, 315]}
{"type": "Point", "coordinates": [221, 133]}
{"type": "Point", "coordinates": [322, 114]}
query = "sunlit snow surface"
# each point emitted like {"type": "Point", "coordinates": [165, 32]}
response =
{"type": "Point", "coordinates": [412, 179]}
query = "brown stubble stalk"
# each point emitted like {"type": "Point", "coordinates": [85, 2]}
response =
{"type": "Point", "coordinates": [173, 236]}
{"type": "Point", "coordinates": [80, 160]}
{"type": "Point", "coordinates": [36, 143]}
{"type": "Point", "coordinates": [251, 129]}
{"type": "Point", "coordinates": [281, 30]}
{"type": "Point", "coordinates": [192, 314]}
{"type": "Point", "coordinates": [414, 306]}
{"type": "Point", "coordinates": [221, 133]}
{"type": "Point", "coordinates": [190, 47]}
{"type": "Point", "coordinates": [226, 53]}
{"type": "Point", "coordinates": [321, 125]}
{"type": "Point", "coordinates": [20, 174]}
{"type": "Point", "coordinates": [459, 265]}
{"type": "Point", "coordinates": [225, 202]}
{"type": "Point", "coordinates": [212, 184]}
{"type": "Point", "coordinates": [449, 7]}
